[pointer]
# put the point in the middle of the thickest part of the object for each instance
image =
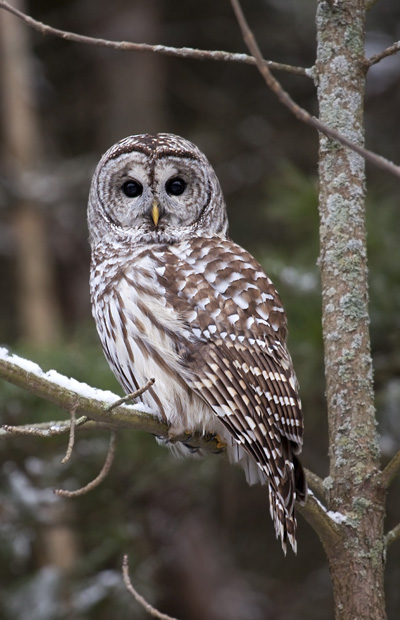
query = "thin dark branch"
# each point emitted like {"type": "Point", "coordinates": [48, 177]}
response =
{"type": "Point", "coordinates": [99, 479]}
{"type": "Point", "coordinates": [152, 611]}
{"type": "Point", "coordinates": [71, 441]}
{"type": "Point", "coordinates": [299, 112]}
{"type": "Point", "coordinates": [182, 52]}
{"type": "Point", "coordinates": [389, 51]}
{"type": "Point", "coordinates": [129, 397]}
{"type": "Point", "coordinates": [392, 536]}
{"type": "Point", "coordinates": [391, 471]}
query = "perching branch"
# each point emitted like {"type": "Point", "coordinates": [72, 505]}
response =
{"type": "Point", "coordinates": [87, 401]}
{"type": "Point", "coordinates": [71, 394]}
{"type": "Point", "coordinates": [299, 112]}
{"type": "Point", "coordinates": [125, 46]}
{"type": "Point", "coordinates": [94, 404]}
{"type": "Point", "coordinates": [152, 611]}
{"type": "Point", "coordinates": [389, 51]}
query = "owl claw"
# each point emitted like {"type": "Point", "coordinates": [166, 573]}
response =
{"type": "Point", "coordinates": [220, 445]}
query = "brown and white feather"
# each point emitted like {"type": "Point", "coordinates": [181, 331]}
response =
{"type": "Point", "coordinates": [194, 310]}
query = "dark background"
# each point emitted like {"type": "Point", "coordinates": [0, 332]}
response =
{"type": "Point", "coordinates": [200, 541]}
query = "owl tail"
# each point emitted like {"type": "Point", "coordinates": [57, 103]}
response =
{"type": "Point", "coordinates": [285, 522]}
{"type": "Point", "coordinates": [282, 503]}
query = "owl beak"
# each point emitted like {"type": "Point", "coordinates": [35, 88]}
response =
{"type": "Point", "coordinates": [155, 213]}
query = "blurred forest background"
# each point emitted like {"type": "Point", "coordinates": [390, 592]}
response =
{"type": "Point", "coordinates": [200, 541]}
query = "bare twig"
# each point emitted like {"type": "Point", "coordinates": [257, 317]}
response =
{"type": "Point", "coordinates": [71, 441]}
{"type": "Point", "coordinates": [299, 112]}
{"type": "Point", "coordinates": [391, 471]}
{"type": "Point", "coordinates": [389, 51]}
{"type": "Point", "coordinates": [94, 483]}
{"type": "Point", "coordinates": [44, 429]}
{"type": "Point", "coordinates": [138, 597]}
{"type": "Point", "coordinates": [129, 397]}
{"type": "Point", "coordinates": [182, 52]}
{"type": "Point", "coordinates": [392, 536]}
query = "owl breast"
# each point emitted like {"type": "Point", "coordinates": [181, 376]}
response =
{"type": "Point", "coordinates": [150, 339]}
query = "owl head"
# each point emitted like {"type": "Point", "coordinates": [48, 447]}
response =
{"type": "Point", "coordinates": [155, 189]}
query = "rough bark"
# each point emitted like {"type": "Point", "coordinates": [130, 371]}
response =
{"type": "Point", "coordinates": [357, 559]}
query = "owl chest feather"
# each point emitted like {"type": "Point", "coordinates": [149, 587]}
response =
{"type": "Point", "coordinates": [150, 340]}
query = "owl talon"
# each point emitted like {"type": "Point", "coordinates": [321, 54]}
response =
{"type": "Point", "coordinates": [220, 445]}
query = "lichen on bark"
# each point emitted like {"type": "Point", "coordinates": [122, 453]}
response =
{"type": "Point", "coordinates": [356, 561]}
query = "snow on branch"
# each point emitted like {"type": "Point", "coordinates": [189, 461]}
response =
{"type": "Point", "coordinates": [70, 394]}
{"type": "Point", "coordinates": [96, 408]}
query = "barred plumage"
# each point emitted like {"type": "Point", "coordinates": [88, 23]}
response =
{"type": "Point", "coordinates": [175, 299]}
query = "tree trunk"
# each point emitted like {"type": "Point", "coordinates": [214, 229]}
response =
{"type": "Point", "coordinates": [357, 560]}
{"type": "Point", "coordinates": [37, 308]}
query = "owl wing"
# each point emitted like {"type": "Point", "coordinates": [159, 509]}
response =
{"type": "Point", "coordinates": [239, 362]}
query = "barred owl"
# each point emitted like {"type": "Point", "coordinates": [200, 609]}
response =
{"type": "Point", "coordinates": [175, 299]}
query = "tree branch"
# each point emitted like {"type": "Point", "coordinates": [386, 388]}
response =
{"type": "Point", "coordinates": [152, 611]}
{"type": "Point", "coordinates": [389, 51]}
{"type": "Point", "coordinates": [87, 401]}
{"type": "Point", "coordinates": [263, 65]}
{"type": "Point", "coordinates": [47, 429]}
{"type": "Point", "coordinates": [99, 478]}
{"type": "Point", "coordinates": [392, 536]}
{"type": "Point", "coordinates": [315, 513]}
{"type": "Point", "coordinates": [315, 483]}
{"type": "Point", "coordinates": [125, 46]}
{"type": "Point", "coordinates": [391, 471]}
{"type": "Point", "coordinates": [299, 112]}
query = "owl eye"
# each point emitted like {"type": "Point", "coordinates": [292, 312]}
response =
{"type": "Point", "coordinates": [132, 189]}
{"type": "Point", "coordinates": [175, 186]}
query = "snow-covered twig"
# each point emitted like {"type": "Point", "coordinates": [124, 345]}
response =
{"type": "Point", "coordinates": [71, 394]}
{"type": "Point", "coordinates": [87, 401]}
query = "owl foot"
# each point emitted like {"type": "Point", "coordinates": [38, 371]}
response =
{"type": "Point", "coordinates": [219, 444]}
